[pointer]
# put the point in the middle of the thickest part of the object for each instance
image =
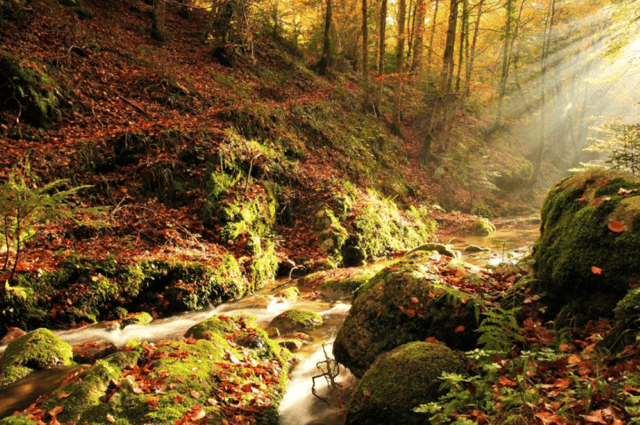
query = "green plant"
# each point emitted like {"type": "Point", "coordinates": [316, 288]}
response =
{"type": "Point", "coordinates": [622, 143]}
{"type": "Point", "coordinates": [24, 206]}
{"type": "Point", "coordinates": [499, 329]}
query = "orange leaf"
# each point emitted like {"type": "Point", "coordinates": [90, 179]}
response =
{"type": "Point", "coordinates": [431, 339]}
{"type": "Point", "coordinates": [56, 410]}
{"type": "Point", "coordinates": [616, 226]}
{"type": "Point", "coordinates": [596, 270]}
{"type": "Point", "coordinates": [110, 418]}
{"type": "Point", "coordinates": [459, 329]}
{"type": "Point", "coordinates": [414, 300]}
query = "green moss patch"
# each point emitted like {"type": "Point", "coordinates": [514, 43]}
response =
{"type": "Point", "coordinates": [588, 252]}
{"type": "Point", "coordinates": [407, 301]}
{"type": "Point", "coordinates": [35, 350]}
{"type": "Point", "coordinates": [482, 227]}
{"type": "Point", "coordinates": [400, 380]}
{"type": "Point", "coordinates": [85, 291]}
{"type": "Point", "coordinates": [339, 282]}
{"type": "Point", "coordinates": [295, 320]}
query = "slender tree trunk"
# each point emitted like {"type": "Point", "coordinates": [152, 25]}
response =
{"type": "Point", "coordinates": [397, 97]}
{"type": "Point", "coordinates": [464, 42]}
{"type": "Point", "coordinates": [433, 32]}
{"type": "Point", "coordinates": [158, 26]}
{"type": "Point", "coordinates": [326, 60]}
{"type": "Point", "coordinates": [418, 36]}
{"type": "Point", "coordinates": [472, 54]}
{"type": "Point", "coordinates": [382, 48]}
{"type": "Point", "coordinates": [447, 59]}
{"type": "Point", "coordinates": [506, 55]}
{"type": "Point", "coordinates": [365, 43]}
{"type": "Point", "coordinates": [546, 44]}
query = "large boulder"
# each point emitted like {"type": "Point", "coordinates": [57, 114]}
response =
{"type": "Point", "coordinates": [399, 381]}
{"type": "Point", "coordinates": [33, 351]}
{"type": "Point", "coordinates": [588, 253]}
{"type": "Point", "coordinates": [409, 300]}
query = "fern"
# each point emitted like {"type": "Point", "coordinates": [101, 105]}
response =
{"type": "Point", "coordinates": [499, 329]}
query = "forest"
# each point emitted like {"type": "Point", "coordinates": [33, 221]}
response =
{"type": "Point", "coordinates": [305, 212]}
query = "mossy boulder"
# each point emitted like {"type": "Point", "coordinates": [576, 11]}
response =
{"type": "Point", "coordinates": [295, 320]}
{"type": "Point", "coordinates": [139, 319]}
{"type": "Point", "coordinates": [626, 323]}
{"type": "Point", "coordinates": [35, 350]}
{"type": "Point", "coordinates": [339, 282]}
{"type": "Point", "coordinates": [26, 86]}
{"type": "Point", "coordinates": [482, 227]}
{"type": "Point", "coordinates": [380, 228]}
{"type": "Point", "coordinates": [399, 381]}
{"type": "Point", "coordinates": [588, 252]}
{"type": "Point", "coordinates": [407, 301]}
{"type": "Point", "coordinates": [331, 234]}
{"type": "Point", "coordinates": [290, 294]}
{"type": "Point", "coordinates": [224, 368]}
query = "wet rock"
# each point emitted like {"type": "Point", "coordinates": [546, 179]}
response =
{"type": "Point", "coordinates": [474, 249]}
{"type": "Point", "coordinates": [407, 301]}
{"type": "Point", "coordinates": [588, 253]}
{"type": "Point", "coordinates": [482, 227]}
{"type": "Point", "coordinates": [441, 249]}
{"type": "Point", "coordinates": [399, 381]}
{"type": "Point", "coordinates": [142, 318]}
{"type": "Point", "coordinates": [296, 320]}
{"type": "Point", "coordinates": [35, 350]}
{"type": "Point", "coordinates": [290, 294]}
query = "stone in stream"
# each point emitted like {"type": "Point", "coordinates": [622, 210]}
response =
{"type": "Point", "coordinates": [588, 253]}
{"type": "Point", "coordinates": [337, 283]}
{"type": "Point", "coordinates": [35, 350]}
{"type": "Point", "coordinates": [223, 368]}
{"type": "Point", "coordinates": [295, 320]}
{"type": "Point", "coordinates": [407, 301]}
{"type": "Point", "coordinates": [474, 249]}
{"type": "Point", "coordinates": [399, 381]}
{"type": "Point", "coordinates": [482, 227]}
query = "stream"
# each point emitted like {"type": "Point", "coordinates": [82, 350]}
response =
{"type": "Point", "coordinates": [512, 240]}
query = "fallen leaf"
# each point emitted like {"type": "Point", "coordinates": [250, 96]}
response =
{"type": "Point", "coordinates": [459, 329]}
{"type": "Point", "coordinates": [616, 226]}
{"type": "Point", "coordinates": [596, 270]}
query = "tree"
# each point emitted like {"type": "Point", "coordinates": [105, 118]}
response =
{"type": "Point", "coordinates": [158, 26]}
{"type": "Point", "coordinates": [326, 60]}
{"type": "Point", "coordinates": [471, 55]}
{"type": "Point", "coordinates": [434, 22]}
{"type": "Point", "coordinates": [418, 36]}
{"type": "Point", "coordinates": [397, 96]}
{"type": "Point", "coordinates": [382, 47]}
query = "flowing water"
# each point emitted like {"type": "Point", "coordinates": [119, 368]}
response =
{"type": "Point", "coordinates": [300, 406]}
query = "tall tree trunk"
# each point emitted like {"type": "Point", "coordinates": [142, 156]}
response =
{"type": "Point", "coordinates": [365, 43]}
{"type": "Point", "coordinates": [464, 42]}
{"type": "Point", "coordinates": [546, 45]}
{"type": "Point", "coordinates": [418, 36]}
{"type": "Point", "coordinates": [382, 48]}
{"type": "Point", "coordinates": [506, 56]}
{"type": "Point", "coordinates": [471, 56]}
{"type": "Point", "coordinates": [433, 32]}
{"type": "Point", "coordinates": [158, 26]}
{"type": "Point", "coordinates": [326, 60]}
{"type": "Point", "coordinates": [397, 95]}
{"type": "Point", "coordinates": [447, 58]}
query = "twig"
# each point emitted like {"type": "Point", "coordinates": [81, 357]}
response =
{"type": "Point", "coordinates": [94, 114]}
{"type": "Point", "coordinates": [246, 185]}
{"type": "Point", "coordinates": [333, 370]}
{"type": "Point", "coordinates": [135, 106]}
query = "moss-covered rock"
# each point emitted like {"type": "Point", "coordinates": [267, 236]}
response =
{"type": "Point", "coordinates": [588, 252]}
{"type": "Point", "coordinates": [26, 87]}
{"type": "Point", "coordinates": [290, 294]}
{"type": "Point", "coordinates": [380, 228]}
{"type": "Point", "coordinates": [482, 227]}
{"type": "Point", "coordinates": [339, 282]}
{"type": "Point", "coordinates": [86, 291]}
{"type": "Point", "coordinates": [295, 320]}
{"type": "Point", "coordinates": [225, 367]}
{"type": "Point", "coordinates": [141, 318]}
{"type": "Point", "coordinates": [407, 301]}
{"type": "Point", "coordinates": [35, 350]}
{"type": "Point", "coordinates": [400, 380]}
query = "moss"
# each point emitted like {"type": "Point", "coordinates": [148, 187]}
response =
{"type": "Point", "coordinates": [220, 325]}
{"type": "Point", "coordinates": [32, 351]}
{"type": "Point", "coordinates": [26, 87]}
{"type": "Point", "coordinates": [626, 323]}
{"type": "Point", "coordinates": [290, 294]}
{"type": "Point", "coordinates": [380, 228]}
{"type": "Point", "coordinates": [19, 419]}
{"type": "Point", "coordinates": [482, 227]}
{"type": "Point", "coordinates": [338, 282]}
{"type": "Point", "coordinates": [263, 264]}
{"type": "Point", "coordinates": [142, 318]}
{"type": "Point", "coordinates": [295, 320]}
{"type": "Point", "coordinates": [400, 380]}
{"type": "Point", "coordinates": [406, 301]}
{"type": "Point", "coordinates": [575, 238]}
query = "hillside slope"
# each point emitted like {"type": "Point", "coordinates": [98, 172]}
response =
{"type": "Point", "coordinates": [193, 160]}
